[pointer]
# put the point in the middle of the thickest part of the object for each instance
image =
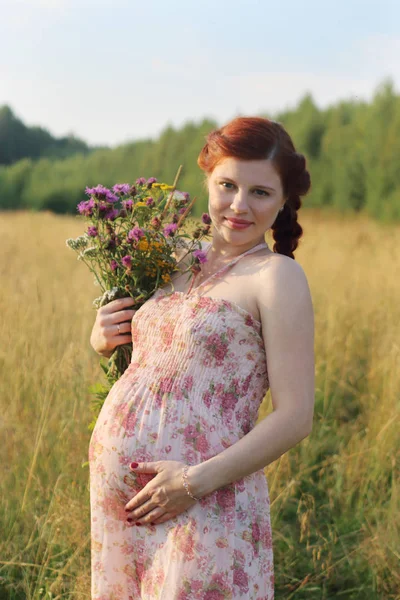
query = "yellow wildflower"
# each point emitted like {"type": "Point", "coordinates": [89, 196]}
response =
{"type": "Point", "coordinates": [143, 244]}
{"type": "Point", "coordinates": [166, 277]}
{"type": "Point", "coordinates": [140, 204]}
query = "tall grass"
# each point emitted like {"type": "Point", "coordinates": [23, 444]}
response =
{"type": "Point", "coordinates": [335, 497]}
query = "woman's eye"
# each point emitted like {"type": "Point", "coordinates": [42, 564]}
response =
{"type": "Point", "coordinates": [228, 183]}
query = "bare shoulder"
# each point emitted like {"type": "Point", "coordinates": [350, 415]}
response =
{"type": "Point", "coordinates": [283, 288]}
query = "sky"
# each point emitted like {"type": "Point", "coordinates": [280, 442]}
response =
{"type": "Point", "coordinates": [115, 71]}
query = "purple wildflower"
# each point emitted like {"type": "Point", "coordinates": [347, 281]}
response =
{"type": "Point", "coordinates": [92, 231]}
{"type": "Point", "coordinates": [103, 208]}
{"type": "Point", "coordinates": [180, 196]}
{"type": "Point", "coordinates": [106, 211]}
{"type": "Point", "coordinates": [200, 255]}
{"type": "Point", "coordinates": [102, 193]}
{"type": "Point", "coordinates": [111, 244]}
{"type": "Point", "coordinates": [181, 210]}
{"type": "Point", "coordinates": [99, 191]}
{"type": "Point", "coordinates": [155, 222]}
{"type": "Point", "coordinates": [127, 261]}
{"type": "Point", "coordinates": [127, 204]}
{"type": "Point", "coordinates": [141, 181]}
{"type": "Point", "coordinates": [121, 188]}
{"type": "Point", "coordinates": [112, 197]}
{"type": "Point", "coordinates": [135, 234]}
{"type": "Point", "coordinates": [113, 265]}
{"type": "Point", "coordinates": [111, 214]}
{"type": "Point", "coordinates": [86, 207]}
{"type": "Point", "coordinates": [149, 201]}
{"type": "Point", "coordinates": [205, 217]}
{"type": "Point", "coordinates": [170, 229]}
{"type": "Point", "coordinates": [152, 180]}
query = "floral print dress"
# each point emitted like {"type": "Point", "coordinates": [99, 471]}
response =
{"type": "Point", "coordinates": [197, 376]}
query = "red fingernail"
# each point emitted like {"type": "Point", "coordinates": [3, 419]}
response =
{"type": "Point", "coordinates": [129, 520]}
{"type": "Point", "coordinates": [151, 523]}
{"type": "Point", "coordinates": [138, 524]}
{"type": "Point", "coordinates": [134, 465]}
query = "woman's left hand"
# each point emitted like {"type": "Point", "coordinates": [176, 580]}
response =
{"type": "Point", "coordinates": [163, 497]}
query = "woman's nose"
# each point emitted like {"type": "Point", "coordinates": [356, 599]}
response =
{"type": "Point", "coordinates": [240, 201]}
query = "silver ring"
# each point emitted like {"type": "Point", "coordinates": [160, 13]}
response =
{"type": "Point", "coordinates": [119, 329]}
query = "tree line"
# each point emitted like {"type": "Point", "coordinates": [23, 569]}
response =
{"type": "Point", "coordinates": [352, 150]}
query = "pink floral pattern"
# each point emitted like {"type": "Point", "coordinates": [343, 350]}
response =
{"type": "Point", "coordinates": [196, 379]}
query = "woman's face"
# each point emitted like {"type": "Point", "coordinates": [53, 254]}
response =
{"type": "Point", "coordinates": [249, 190]}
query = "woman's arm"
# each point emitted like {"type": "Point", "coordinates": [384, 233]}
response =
{"type": "Point", "coordinates": [287, 321]}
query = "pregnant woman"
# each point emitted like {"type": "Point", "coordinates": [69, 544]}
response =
{"type": "Point", "coordinates": [179, 499]}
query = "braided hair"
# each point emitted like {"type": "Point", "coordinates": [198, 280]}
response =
{"type": "Point", "coordinates": [253, 138]}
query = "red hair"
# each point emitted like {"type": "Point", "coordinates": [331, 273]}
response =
{"type": "Point", "coordinates": [253, 138]}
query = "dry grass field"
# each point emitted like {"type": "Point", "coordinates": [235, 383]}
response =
{"type": "Point", "coordinates": [335, 497]}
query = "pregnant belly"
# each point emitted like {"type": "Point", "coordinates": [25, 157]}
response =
{"type": "Point", "coordinates": [137, 423]}
{"type": "Point", "coordinates": [131, 427]}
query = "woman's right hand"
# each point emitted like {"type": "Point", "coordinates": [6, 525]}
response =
{"type": "Point", "coordinates": [105, 336]}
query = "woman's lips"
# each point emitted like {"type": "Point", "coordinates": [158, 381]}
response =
{"type": "Point", "coordinates": [235, 225]}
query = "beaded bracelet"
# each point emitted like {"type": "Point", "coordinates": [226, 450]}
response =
{"type": "Point", "coordinates": [185, 483]}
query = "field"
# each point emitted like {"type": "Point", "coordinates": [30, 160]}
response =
{"type": "Point", "coordinates": [335, 497]}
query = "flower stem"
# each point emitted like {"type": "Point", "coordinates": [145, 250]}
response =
{"type": "Point", "coordinates": [183, 216]}
{"type": "Point", "coordinates": [172, 191]}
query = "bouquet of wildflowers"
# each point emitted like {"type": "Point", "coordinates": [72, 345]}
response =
{"type": "Point", "coordinates": [134, 236]}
